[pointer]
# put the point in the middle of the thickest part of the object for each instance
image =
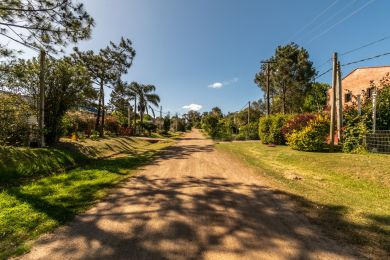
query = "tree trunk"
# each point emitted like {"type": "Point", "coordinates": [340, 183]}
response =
{"type": "Point", "coordinates": [284, 100]}
{"type": "Point", "coordinates": [99, 107]}
{"type": "Point", "coordinates": [101, 133]}
{"type": "Point", "coordinates": [135, 114]}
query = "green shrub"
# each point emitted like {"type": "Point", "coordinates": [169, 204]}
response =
{"type": "Point", "coordinates": [355, 127]}
{"type": "Point", "coordinates": [94, 135]}
{"type": "Point", "coordinates": [149, 126]}
{"type": "Point", "coordinates": [250, 131]}
{"type": "Point", "coordinates": [14, 114]}
{"type": "Point", "coordinates": [270, 129]}
{"type": "Point", "coordinates": [311, 137]}
{"type": "Point", "coordinates": [264, 129]}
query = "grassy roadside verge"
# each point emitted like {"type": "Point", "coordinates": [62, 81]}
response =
{"type": "Point", "coordinates": [42, 204]}
{"type": "Point", "coordinates": [347, 194]}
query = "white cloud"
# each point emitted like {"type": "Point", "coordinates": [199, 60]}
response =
{"type": "Point", "coordinates": [193, 107]}
{"type": "Point", "coordinates": [216, 85]}
{"type": "Point", "coordinates": [222, 84]}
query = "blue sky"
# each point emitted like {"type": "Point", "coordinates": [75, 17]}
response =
{"type": "Point", "coordinates": [206, 52]}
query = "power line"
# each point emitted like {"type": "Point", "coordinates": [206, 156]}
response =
{"type": "Point", "coordinates": [322, 74]}
{"type": "Point", "coordinates": [342, 20]}
{"type": "Point", "coordinates": [332, 16]}
{"type": "Point", "coordinates": [326, 62]}
{"type": "Point", "coordinates": [365, 45]}
{"type": "Point", "coordinates": [366, 59]}
{"type": "Point", "coordinates": [313, 20]}
{"type": "Point", "coordinates": [354, 62]}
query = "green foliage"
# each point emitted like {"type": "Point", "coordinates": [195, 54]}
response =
{"type": "Point", "coordinates": [250, 131]}
{"type": "Point", "coordinates": [270, 129]}
{"type": "Point", "coordinates": [94, 135]}
{"type": "Point", "coordinates": [210, 125]}
{"type": "Point", "coordinates": [106, 67]}
{"type": "Point", "coordinates": [44, 23]}
{"type": "Point", "coordinates": [145, 96]}
{"type": "Point", "coordinates": [383, 105]}
{"type": "Point", "coordinates": [14, 114]}
{"type": "Point", "coordinates": [149, 126]}
{"type": "Point", "coordinates": [291, 73]}
{"type": "Point", "coordinates": [167, 124]}
{"type": "Point", "coordinates": [17, 164]}
{"type": "Point", "coordinates": [312, 137]}
{"type": "Point", "coordinates": [316, 97]}
{"type": "Point", "coordinates": [355, 128]}
{"type": "Point", "coordinates": [264, 129]}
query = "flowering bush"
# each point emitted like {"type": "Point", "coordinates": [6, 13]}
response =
{"type": "Point", "coordinates": [297, 122]}
{"type": "Point", "coordinates": [311, 137]}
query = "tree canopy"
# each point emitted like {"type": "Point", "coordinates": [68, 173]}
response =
{"type": "Point", "coordinates": [43, 24]}
{"type": "Point", "coordinates": [291, 73]}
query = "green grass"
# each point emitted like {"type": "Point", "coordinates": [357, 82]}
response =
{"type": "Point", "coordinates": [347, 194]}
{"type": "Point", "coordinates": [42, 204]}
{"type": "Point", "coordinates": [17, 164]}
{"type": "Point", "coordinates": [171, 135]}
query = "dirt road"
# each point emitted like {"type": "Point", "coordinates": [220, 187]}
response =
{"type": "Point", "coordinates": [192, 203]}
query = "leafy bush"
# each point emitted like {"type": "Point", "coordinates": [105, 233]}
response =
{"type": "Point", "coordinates": [264, 129]}
{"type": "Point", "coordinates": [14, 114]}
{"type": "Point", "coordinates": [94, 135]}
{"type": "Point", "coordinates": [296, 122]}
{"type": "Point", "coordinates": [210, 125]}
{"type": "Point", "coordinates": [167, 124]}
{"type": "Point", "coordinates": [270, 129]}
{"type": "Point", "coordinates": [111, 124]}
{"type": "Point", "coordinates": [250, 131]}
{"type": "Point", "coordinates": [355, 127]}
{"type": "Point", "coordinates": [149, 126]}
{"type": "Point", "coordinates": [312, 137]}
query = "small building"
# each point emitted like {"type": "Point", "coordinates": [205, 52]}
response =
{"type": "Point", "coordinates": [358, 82]}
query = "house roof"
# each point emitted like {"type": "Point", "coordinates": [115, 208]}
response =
{"type": "Point", "coordinates": [367, 68]}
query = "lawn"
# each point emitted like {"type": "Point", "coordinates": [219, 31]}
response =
{"type": "Point", "coordinates": [347, 194]}
{"type": "Point", "coordinates": [47, 199]}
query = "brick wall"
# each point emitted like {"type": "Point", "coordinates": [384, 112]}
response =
{"type": "Point", "coordinates": [358, 81]}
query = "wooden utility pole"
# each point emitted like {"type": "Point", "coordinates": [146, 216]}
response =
{"type": "Point", "coordinates": [339, 103]}
{"type": "Point", "coordinates": [374, 111]}
{"type": "Point", "coordinates": [135, 114]}
{"type": "Point", "coordinates": [333, 101]}
{"type": "Point", "coordinates": [249, 111]}
{"type": "Point", "coordinates": [268, 91]}
{"type": "Point", "coordinates": [161, 119]}
{"type": "Point", "coordinates": [41, 122]}
{"type": "Point", "coordinates": [268, 71]}
{"type": "Point", "coordinates": [129, 115]}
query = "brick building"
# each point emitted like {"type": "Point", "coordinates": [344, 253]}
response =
{"type": "Point", "coordinates": [357, 82]}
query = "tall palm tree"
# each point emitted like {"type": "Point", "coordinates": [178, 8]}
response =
{"type": "Point", "coordinates": [146, 98]}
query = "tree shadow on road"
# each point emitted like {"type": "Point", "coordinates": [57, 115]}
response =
{"type": "Point", "coordinates": [191, 218]}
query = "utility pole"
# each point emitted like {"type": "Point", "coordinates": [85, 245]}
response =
{"type": "Point", "coordinates": [161, 120]}
{"type": "Point", "coordinates": [41, 122]}
{"type": "Point", "coordinates": [268, 96]}
{"type": "Point", "coordinates": [333, 101]}
{"type": "Point", "coordinates": [268, 85]}
{"type": "Point", "coordinates": [374, 111]}
{"type": "Point", "coordinates": [339, 103]}
{"type": "Point", "coordinates": [135, 114]}
{"type": "Point", "coordinates": [129, 115]}
{"type": "Point", "coordinates": [249, 111]}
